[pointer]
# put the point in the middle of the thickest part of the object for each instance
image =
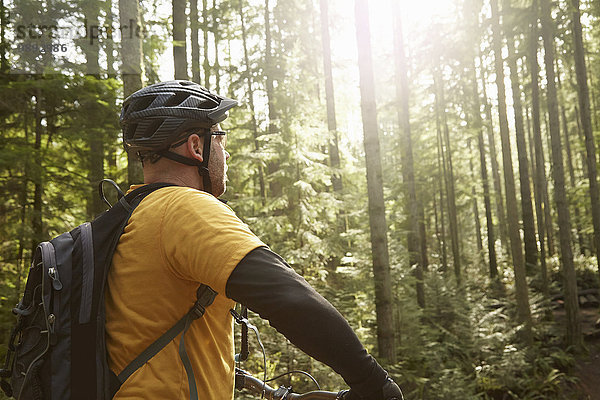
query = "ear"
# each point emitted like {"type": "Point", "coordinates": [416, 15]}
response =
{"type": "Point", "coordinates": [194, 147]}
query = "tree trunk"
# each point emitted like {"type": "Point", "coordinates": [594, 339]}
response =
{"type": "Point", "coordinates": [539, 181]}
{"type": "Point", "coordinates": [586, 122]}
{"type": "Point", "coordinates": [132, 69]}
{"type": "Point", "coordinates": [564, 224]}
{"type": "Point", "coordinates": [37, 232]}
{"type": "Point", "coordinates": [179, 42]}
{"type": "Point", "coordinates": [3, 46]}
{"type": "Point", "coordinates": [478, 239]}
{"type": "Point", "coordinates": [254, 125]}
{"type": "Point", "coordinates": [495, 167]}
{"type": "Point", "coordinates": [529, 239]}
{"type": "Point", "coordinates": [205, 30]}
{"type": "Point", "coordinates": [377, 222]}
{"type": "Point", "coordinates": [414, 240]}
{"type": "Point", "coordinates": [478, 126]}
{"type": "Point", "coordinates": [95, 136]}
{"type": "Point", "coordinates": [441, 178]}
{"type": "Point", "coordinates": [572, 181]}
{"type": "Point", "coordinates": [195, 42]}
{"type": "Point", "coordinates": [334, 152]}
{"type": "Point", "coordinates": [216, 38]}
{"type": "Point", "coordinates": [448, 176]}
{"type": "Point", "coordinates": [522, 295]}
{"type": "Point", "coordinates": [274, 185]}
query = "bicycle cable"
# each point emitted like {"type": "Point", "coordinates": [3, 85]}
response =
{"type": "Point", "coordinates": [297, 372]}
{"type": "Point", "coordinates": [242, 320]}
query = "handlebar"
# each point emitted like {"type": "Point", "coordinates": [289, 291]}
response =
{"type": "Point", "coordinates": [243, 380]}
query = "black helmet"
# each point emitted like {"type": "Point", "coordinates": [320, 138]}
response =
{"type": "Point", "coordinates": [155, 117]}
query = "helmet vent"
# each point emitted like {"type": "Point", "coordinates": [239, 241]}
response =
{"type": "Point", "coordinates": [141, 104]}
{"type": "Point", "coordinates": [176, 100]}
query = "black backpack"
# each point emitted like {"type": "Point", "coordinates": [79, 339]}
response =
{"type": "Point", "coordinates": [57, 349]}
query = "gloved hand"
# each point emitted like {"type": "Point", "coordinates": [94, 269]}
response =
{"type": "Point", "coordinates": [389, 391]}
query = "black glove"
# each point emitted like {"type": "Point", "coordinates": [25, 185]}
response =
{"type": "Point", "coordinates": [389, 391]}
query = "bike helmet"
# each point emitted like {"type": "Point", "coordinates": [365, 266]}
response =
{"type": "Point", "coordinates": [160, 115]}
{"type": "Point", "coordinates": [155, 117]}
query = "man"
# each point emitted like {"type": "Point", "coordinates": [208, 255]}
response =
{"type": "Point", "coordinates": [181, 236]}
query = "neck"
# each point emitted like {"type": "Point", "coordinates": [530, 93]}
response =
{"type": "Point", "coordinates": [184, 176]}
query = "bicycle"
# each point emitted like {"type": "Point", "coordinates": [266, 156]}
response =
{"type": "Point", "coordinates": [243, 380]}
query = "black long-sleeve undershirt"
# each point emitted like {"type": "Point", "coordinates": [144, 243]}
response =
{"type": "Point", "coordinates": [267, 285]}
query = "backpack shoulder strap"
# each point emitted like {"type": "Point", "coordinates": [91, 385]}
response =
{"type": "Point", "coordinates": [204, 297]}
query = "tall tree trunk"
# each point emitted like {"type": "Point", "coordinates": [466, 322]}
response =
{"type": "Point", "coordinates": [522, 295]}
{"type": "Point", "coordinates": [334, 152]}
{"type": "Point", "coordinates": [478, 239]}
{"type": "Point", "coordinates": [488, 209]}
{"type": "Point", "coordinates": [502, 227]}
{"type": "Point", "coordinates": [539, 181]}
{"type": "Point", "coordinates": [132, 69]}
{"type": "Point", "coordinates": [3, 46]}
{"type": "Point", "coordinates": [442, 176]}
{"type": "Point", "coordinates": [529, 239]}
{"type": "Point", "coordinates": [195, 41]}
{"type": "Point", "coordinates": [179, 42]}
{"type": "Point", "coordinates": [402, 94]}
{"type": "Point", "coordinates": [216, 38]}
{"type": "Point", "coordinates": [572, 180]}
{"type": "Point", "coordinates": [274, 185]}
{"type": "Point", "coordinates": [448, 176]}
{"type": "Point", "coordinates": [37, 175]}
{"type": "Point", "coordinates": [586, 122]}
{"type": "Point", "coordinates": [254, 124]}
{"type": "Point", "coordinates": [377, 222]}
{"type": "Point", "coordinates": [95, 135]}
{"type": "Point", "coordinates": [205, 30]}
{"type": "Point", "coordinates": [478, 126]}
{"type": "Point", "coordinates": [564, 224]}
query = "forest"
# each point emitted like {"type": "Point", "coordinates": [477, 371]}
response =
{"type": "Point", "coordinates": [429, 167]}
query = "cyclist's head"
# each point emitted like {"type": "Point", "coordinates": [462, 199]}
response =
{"type": "Point", "coordinates": [162, 116]}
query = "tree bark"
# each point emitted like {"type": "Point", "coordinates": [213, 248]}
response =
{"type": "Point", "coordinates": [334, 152]}
{"type": "Point", "coordinates": [254, 124]}
{"type": "Point", "coordinates": [573, 336]}
{"type": "Point", "coordinates": [195, 41]}
{"type": "Point", "coordinates": [132, 69]}
{"type": "Point", "coordinates": [274, 185]}
{"type": "Point", "coordinates": [37, 232]}
{"type": "Point", "coordinates": [441, 164]}
{"type": "Point", "coordinates": [529, 239]}
{"type": "Point", "coordinates": [572, 181]}
{"type": "Point", "coordinates": [539, 182]}
{"type": "Point", "coordinates": [478, 239]}
{"type": "Point", "coordinates": [377, 222]}
{"type": "Point", "coordinates": [448, 177]}
{"type": "Point", "coordinates": [522, 295]}
{"type": "Point", "coordinates": [216, 39]}
{"type": "Point", "coordinates": [179, 42]}
{"type": "Point", "coordinates": [586, 122]}
{"type": "Point", "coordinates": [95, 136]}
{"type": "Point", "coordinates": [495, 167]}
{"type": "Point", "coordinates": [478, 126]}
{"type": "Point", "coordinates": [414, 238]}
{"type": "Point", "coordinates": [205, 30]}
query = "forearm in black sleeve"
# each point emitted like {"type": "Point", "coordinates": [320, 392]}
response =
{"type": "Point", "coordinates": [267, 285]}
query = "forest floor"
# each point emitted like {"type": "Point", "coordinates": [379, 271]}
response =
{"type": "Point", "coordinates": [587, 368]}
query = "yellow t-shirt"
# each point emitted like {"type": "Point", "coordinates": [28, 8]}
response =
{"type": "Point", "coordinates": [176, 238]}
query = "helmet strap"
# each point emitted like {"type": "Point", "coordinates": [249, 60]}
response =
{"type": "Point", "coordinates": [204, 173]}
{"type": "Point", "coordinates": [202, 165]}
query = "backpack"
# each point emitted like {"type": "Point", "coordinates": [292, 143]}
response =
{"type": "Point", "coordinates": [57, 349]}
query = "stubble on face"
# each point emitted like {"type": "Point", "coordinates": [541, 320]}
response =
{"type": "Point", "coordinates": [217, 168]}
